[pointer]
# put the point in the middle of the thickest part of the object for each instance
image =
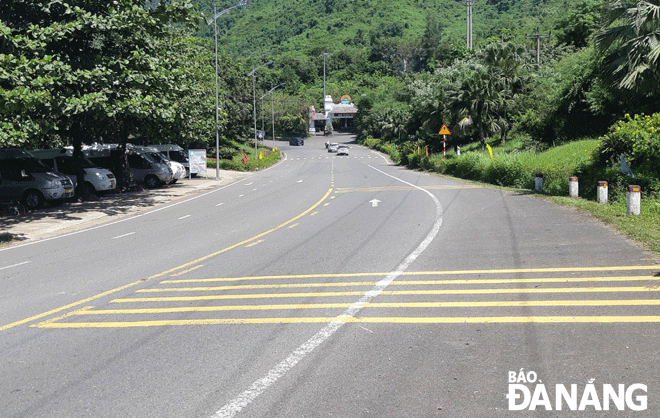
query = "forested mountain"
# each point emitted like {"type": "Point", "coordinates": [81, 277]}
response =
{"type": "Point", "coordinates": [269, 27]}
{"type": "Point", "coordinates": [404, 62]}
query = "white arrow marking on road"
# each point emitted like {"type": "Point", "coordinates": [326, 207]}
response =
{"type": "Point", "coordinates": [374, 203]}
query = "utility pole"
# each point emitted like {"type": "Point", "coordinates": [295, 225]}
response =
{"type": "Point", "coordinates": [538, 37]}
{"type": "Point", "coordinates": [469, 4]}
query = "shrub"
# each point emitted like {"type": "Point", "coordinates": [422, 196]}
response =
{"type": "Point", "coordinates": [636, 137]}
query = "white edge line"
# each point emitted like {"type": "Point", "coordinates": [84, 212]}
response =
{"type": "Point", "coordinates": [237, 404]}
{"type": "Point", "coordinates": [121, 220]}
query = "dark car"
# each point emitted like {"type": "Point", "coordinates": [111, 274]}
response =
{"type": "Point", "coordinates": [296, 141]}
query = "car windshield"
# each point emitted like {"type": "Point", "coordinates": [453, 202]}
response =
{"type": "Point", "coordinates": [31, 163]}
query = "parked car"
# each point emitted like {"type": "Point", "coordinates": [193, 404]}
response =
{"type": "Point", "coordinates": [296, 141]}
{"type": "Point", "coordinates": [178, 170]}
{"type": "Point", "coordinates": [175, 153]}
{"type": "Point", "coordinates": [333, 147]}
{"type": "Point", "coordinates": [142, 167]}
{"type": "Point", "coordinates": [25, 179]}
{"type": "Point", "coordinates": [97, 179]}
{"type": "Point", "coordinates": [342, 150]}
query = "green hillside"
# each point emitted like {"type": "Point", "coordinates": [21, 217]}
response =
{"type": "Point", "coordinates": [269, 27]}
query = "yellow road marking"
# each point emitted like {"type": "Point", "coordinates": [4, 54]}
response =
{"type": "Point", "coordinates": [252, 244]}
{"type": "Point", "coordinates": [170, 271]}
{"type": "Point", "coordinates": [372, 305]}
{"type": "Point", "coordinates": [403, 188]}
{"type": "Point", "coordinates": [403, 282]}
{"type": "Point", "coordinates": [187, 271]}
{"type": "Point", "coordinates": [394, 293]}
{"type": "Point", "coordinates": [254, 238]}
{"type": "Point", "coordinates": [424, 273]}
{"type": "Point", "coordinates": [294, 225]}
{"type": "Point", "coordinates": [314, 213]}
{"type": "Point", "coordinates": [69, 306]}
{"type": "Point", "coordinates": [382, 320]}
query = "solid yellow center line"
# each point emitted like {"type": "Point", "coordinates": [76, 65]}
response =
{"type": "Point", "coordinates": [406, 282]}
{"type": "Point", "coordinates": [374, 305]}
{"type": "Point", "coordinates": [394, 293]}
{"type": "Point", "coordinates": [435, 273]}
{"type": "Point", "coordinates": [362, 319]}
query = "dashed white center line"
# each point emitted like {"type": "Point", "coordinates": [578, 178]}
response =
{"type": "Point", "coordinates": [15, 265]}
{"type": "Point", "coordinates": [184, 217]}
{"type": "Point", "coordinates": [220, 204]}
{"type": "Point", "coordinates": [122, 236]}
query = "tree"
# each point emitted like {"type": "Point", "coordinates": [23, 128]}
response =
{"type": "Point", "coordinates": [632, 47]}
{"type": "Point", "coordinates": [477, 96]}
{"type": "Point", "coordinates": [101, 68]}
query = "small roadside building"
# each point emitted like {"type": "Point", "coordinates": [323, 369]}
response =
{"type": "Point", "coordinates": [339, 115]}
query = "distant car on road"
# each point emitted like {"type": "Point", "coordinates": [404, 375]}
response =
{"type": "Point", "coordinates": [333, 147]}
{"type": "Point", "coordinates": [342, 150]}
{"type": "Point", "coordinates": [296, 141]}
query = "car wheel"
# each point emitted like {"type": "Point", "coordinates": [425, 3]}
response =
{"type": "Point", "coordinates": [151, 181]}
{"type": "Point", "coordinates": [33, 199]}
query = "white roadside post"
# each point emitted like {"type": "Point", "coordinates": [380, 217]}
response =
{"type": "Point", "coordinates": [573, 188]}
{"type": "Point", "coordinates": [633, 200]}
{"type": "Point", "coordinates": [538, 183]}
{"type": "Point", "coordinates": [602, 192]}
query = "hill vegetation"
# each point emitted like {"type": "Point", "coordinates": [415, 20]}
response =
{"type": "Point", "coordinates": [108, 72]}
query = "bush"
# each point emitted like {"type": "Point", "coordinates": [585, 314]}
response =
{"type": "Point", "coordinates": [638, 138]}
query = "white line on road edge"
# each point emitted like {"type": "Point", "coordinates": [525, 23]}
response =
{"type": "Point", "coordinates": [237, 404]}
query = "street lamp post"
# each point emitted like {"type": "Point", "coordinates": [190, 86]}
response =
{"type": "Point", "coordinates": [242, 3]}
{"type": "Point", "coordinates": [324, 55]}
{"type": "Point", "coordinates": [272, 108]}
{"type": "Point", "coordinates": [254, 102]}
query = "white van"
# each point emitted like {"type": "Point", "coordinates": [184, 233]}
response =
{"type": "Point", "coordinates": [97, 179]}
{"type": "Point", "coordinates": [143, 168]}
{"type": "Point", "coordinates": [178, 170]}
{"type": "Point", "coordinates": [25, 179]}
{"type": "Point", "coordinates": [174, 153]}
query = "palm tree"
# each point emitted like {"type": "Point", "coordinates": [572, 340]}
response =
{"type": "Point", "coordinates": [478, 97]}
{"type": "Point", "coordinates": [632, 47]}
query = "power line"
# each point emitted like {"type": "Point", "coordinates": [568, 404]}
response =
{"type": "Point", "coordinates": [538, 37]}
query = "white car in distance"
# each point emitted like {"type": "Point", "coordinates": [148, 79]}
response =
{"type": "Point", "coordinates": [342, 150]}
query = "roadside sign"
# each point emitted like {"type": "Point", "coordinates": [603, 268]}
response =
{"type": "Point", "coordinates": [197, 159]}
{"type": "Point", "coordinates": [444, 130]}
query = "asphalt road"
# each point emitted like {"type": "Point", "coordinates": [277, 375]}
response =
{"type": "Point", "coordinates": [333, 286]}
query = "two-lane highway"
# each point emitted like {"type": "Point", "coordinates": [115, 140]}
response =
{"type": "Point", "coordinates": [330, 286]}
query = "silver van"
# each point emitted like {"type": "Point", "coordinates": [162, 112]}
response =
{"type": "Point", "coordinates": [174, 153]}
{"type": "Point", "coordinates": [178, 170]}
{"type": "Point", "coordinates": [97, 179]}
{"type": "Point", "coordinates": [143, 168]}
{"type": "Point", "coordinates": [25, 179]}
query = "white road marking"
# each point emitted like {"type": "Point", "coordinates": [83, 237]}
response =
{"type": "Point", "coordinates": [122, 236]}
{"type": "Point", "coordinates": [237, 404]}
{"type": "Point", "coordinates": [220, 204]}
{"type": "Point", "coordinates": [15, 265]}
{"type": "Point", "coordinates": [374, 203]}
{"type": "Point", "coordinates": [184, 217]}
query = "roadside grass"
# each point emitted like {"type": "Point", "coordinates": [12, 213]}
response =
{"type": "Point", "coordinates": [517, 169]}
